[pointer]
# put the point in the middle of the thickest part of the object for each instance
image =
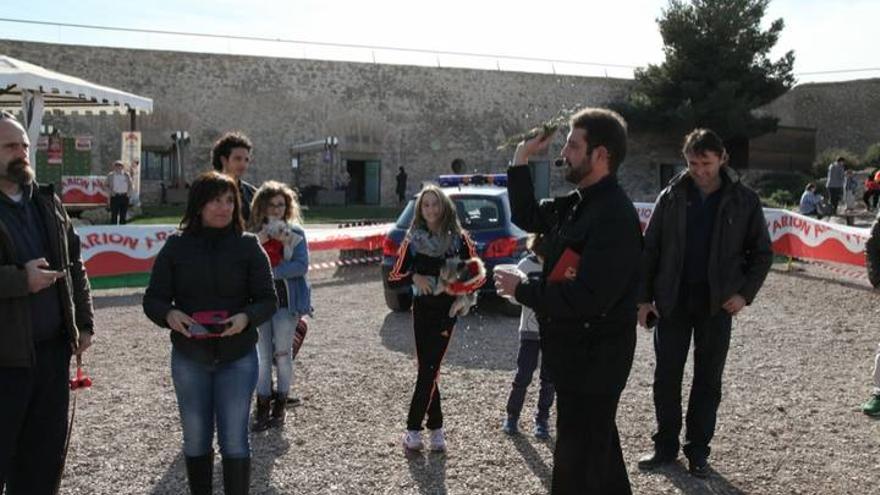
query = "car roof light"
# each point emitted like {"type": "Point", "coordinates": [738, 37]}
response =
{"type": "Point", "coordinates": [499, 180]}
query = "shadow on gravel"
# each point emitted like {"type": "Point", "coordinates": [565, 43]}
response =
{"type": "Point", "coordinates": [828, 280]}
{"type": "Point", "coordinates": [265, 448]}
{"type": "Point", "coordinates": [428, 471]}
{"type": "Point", "coordinates": [100, 302]}
{"type": "Point", "coordinates": [174, 479]}
{"type": "Point", "coordinates": [715, 484]}
{"type": "Point", "coordinates": [534, 460]}
{"type": "Point", "coordinates": [480, 341]}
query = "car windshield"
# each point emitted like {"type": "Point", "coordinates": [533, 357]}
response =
{"type": "Point", "coordinates": [474, 212]}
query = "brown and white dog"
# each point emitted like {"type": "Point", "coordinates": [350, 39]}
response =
{"type": "Point", "coordinates": [461, 278]}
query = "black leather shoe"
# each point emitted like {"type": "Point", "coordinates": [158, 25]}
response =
{"type": "Point", "coordinates": [699, 468]}
{"type": "Point", "coordinates": [655, 460]}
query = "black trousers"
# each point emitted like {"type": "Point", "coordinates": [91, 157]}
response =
{"type": "Point", "coordinates": [33, 421]}
{"type": "Point", "coordinates": [870, 198]}
{"type": "Point", "coordinates": [118, 208]}
{"type": "Point", "coordinates": [672, 339]}
{"type": "Point", "coordinates": [835, 194]}
{"type": "Point", "coordinates": [433, 330]}
{"type": "Point", "coordinates": [588, 459]}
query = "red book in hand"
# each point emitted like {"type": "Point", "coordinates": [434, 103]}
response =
{"type": "Point", "coordinates": [566, 268]}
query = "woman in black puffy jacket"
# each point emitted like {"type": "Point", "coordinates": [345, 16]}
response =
{"type": "Point", "coordinates": [211, 285]}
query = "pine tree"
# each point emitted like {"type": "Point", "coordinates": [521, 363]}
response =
{"type": "Point", "coordinates": [716, 70]}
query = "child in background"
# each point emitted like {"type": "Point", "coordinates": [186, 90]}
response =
{"type": "Point", "coordinates": [527, 357]}
{"type": "Point", "coordinates": [275, 201]}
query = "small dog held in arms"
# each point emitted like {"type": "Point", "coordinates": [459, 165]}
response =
{"type": "Point", "coordinates": [461, 278]}
{"type": "Point", "coordinates": [282, 232]}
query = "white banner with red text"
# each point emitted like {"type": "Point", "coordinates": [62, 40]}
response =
{"type": "Point", "coordinates": [110, 250]}
{"type": "Point", "coordinates": [799, 236]}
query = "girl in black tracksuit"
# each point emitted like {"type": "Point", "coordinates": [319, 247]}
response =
{"type": "Point", "coordinates": [434, 236]}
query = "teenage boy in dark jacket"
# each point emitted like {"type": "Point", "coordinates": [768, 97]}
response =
{"type": "Point", "coordinates": [588, 318]}
{"type": "Point", "coordinates": [231, 155]}
{"type": "Point", "coordinates": [46, 314]}
{"type": "Point", "coordinates": [707, 252]}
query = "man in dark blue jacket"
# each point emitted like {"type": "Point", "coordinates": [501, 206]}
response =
{"type": "Point", "coordinates": [587, 318]}
{"type": "Point", "coordinates": [707, 252]}
{"type": "Point", "coordinates": [46, 314]}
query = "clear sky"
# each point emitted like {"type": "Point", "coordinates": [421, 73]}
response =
{"type": "Point", "coordinates": [828, 35]}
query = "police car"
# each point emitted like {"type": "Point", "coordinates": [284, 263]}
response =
{"type": "Point", "coordinates": [484, 211]}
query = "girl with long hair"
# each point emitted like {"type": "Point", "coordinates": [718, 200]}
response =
{"type": "Point", "coordinates": [434, 237]}
{"type": "Point", "coordinates": [276, 219]}
{"type": "Point", "coordinates": [211, 285]}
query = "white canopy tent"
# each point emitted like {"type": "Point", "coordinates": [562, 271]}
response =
{"type": "Point", "coordinates": [32, 90]}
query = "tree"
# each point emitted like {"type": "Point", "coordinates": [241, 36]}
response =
{"type": "Point", "coordinates": [716, 70]}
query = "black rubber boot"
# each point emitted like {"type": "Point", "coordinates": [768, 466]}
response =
{"type": "Point", "coordinates": [236, 476]}
{"type": "Point", "coordinates": [278, 410]}
{"type": "Point", "coordinates": [199, 473]}
{"type": "Point", "coordinates": [261, 415]}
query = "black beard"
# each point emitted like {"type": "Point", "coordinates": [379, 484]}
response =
{"type": "Point", "coordinates": [19, 172]}
{"type": "Point", "coordinates": [574, 175]}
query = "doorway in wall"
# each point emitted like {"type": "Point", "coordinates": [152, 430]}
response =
{"type": "Point", "coordinates": [363, 185]}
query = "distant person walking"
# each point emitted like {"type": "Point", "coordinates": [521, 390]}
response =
{"type": "Point", "coordinates": [834, 182]}
{"type": "Point", "coordinates": [120, 185]}
{"type": "Point", "coordinates": [401, 186]}
{"type": "Point", "coordinates": [872, 193]}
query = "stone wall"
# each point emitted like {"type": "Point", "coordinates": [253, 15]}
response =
{"type": "Point", "coordinates": [844, 114]}
{"type": "Point", "coordinates": [417, 117]}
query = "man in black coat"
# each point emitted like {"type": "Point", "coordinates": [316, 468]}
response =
{"type": "Point", "coordinates": [707, 252]}
{"type": "Point", "coordinates": [46, 314]}
{"type": "Point", "coordinates": [587, 318]}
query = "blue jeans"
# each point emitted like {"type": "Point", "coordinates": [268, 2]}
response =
{"type": "Point", "coordinates": [526, 362]}
{"type": "Point", "coordinates": [275, 343]}
{"type": "Point", "coordinates": [222, 391]}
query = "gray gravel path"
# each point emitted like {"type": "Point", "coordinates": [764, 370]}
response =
{"type": "Point", "coordinates": [789, 422]}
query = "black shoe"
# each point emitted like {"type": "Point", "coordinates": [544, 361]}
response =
{"type": "Point", "coordinates": [655, 460]}
{"type": "Point", "coordinates": [293, 401]}
{"type": "Point", "coordinates": [699, 468]}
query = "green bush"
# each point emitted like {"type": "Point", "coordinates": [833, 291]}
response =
{"type": "Point", "coordinates": [823, 159]}
{"type": "Point", "coordinates": [767, 184]}
{"type": "Point", "coordinates": [782, 197]}
{"type": "Point", "coordinates": [872, 156]}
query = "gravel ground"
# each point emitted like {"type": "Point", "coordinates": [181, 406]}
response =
{"type": "Point", "coordinates": [789, 422]}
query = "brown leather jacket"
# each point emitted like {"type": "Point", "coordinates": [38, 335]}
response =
{"type": "Point", "coordinates": [16, 341]}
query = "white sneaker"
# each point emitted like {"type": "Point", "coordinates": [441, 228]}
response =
{"type": "Point", "coordinates": [412, 440]}
{"type": "Point", "coordinates": [438, 440]}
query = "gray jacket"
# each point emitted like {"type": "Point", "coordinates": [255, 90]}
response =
{"type": "Point", "coordinates": [740, 253]}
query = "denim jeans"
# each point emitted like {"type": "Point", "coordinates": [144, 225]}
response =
{"type": "Point", "coordinates": [526, 362]}
{"type": "Point", "coordinates": [222, 391]}
{"type": "Point", "coordinates": [275, 343]}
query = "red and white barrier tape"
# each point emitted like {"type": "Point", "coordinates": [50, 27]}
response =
{"type": "Point", "coordinates": [338, 263]}
{"type": "Point", "coordinates": [846, 272]}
